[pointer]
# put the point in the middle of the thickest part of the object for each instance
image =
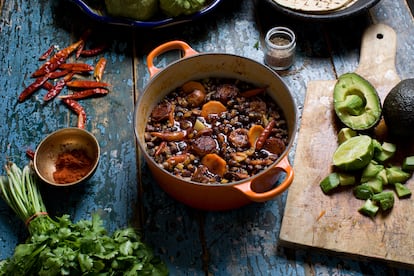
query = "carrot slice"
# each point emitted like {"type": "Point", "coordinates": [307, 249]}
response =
{"type": "Point", "coordinates": [212, 107]}
{"type": "Point", "coordinates": [254, 134]}
{"type": "Point", "coordinates": [190, 86]}
{"type": "Point", "coordinates": [215, 164]}
{"type": "Point", "coordinates": [253, 92]}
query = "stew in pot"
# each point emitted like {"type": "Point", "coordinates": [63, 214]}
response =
{"type": "Point", "coordinates": [216, 131]}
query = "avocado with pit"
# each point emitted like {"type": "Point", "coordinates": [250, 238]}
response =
{"type": "Point", "coordinates": [399, 109]}
{"type": "Point", "coordinates": [356, 102]}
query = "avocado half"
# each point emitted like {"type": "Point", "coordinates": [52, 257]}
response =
{"type": "Point", "coordinates": [398, 109]}
{"type": "Point", "coordinates": [356, 102]}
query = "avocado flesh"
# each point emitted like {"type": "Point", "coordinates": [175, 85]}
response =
{"type": "Point", "coordinates": [352, 104]}
{"type": "Point", "coordinates": [356, 102]}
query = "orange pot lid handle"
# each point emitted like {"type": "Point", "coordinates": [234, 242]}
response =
{"type": "Point", "coordinates": [261, 184]}
{"type": "Point", "coordinates": [163, 48]}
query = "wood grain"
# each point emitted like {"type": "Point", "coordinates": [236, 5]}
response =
{"type": "Point", "coordinates": [333, 222]}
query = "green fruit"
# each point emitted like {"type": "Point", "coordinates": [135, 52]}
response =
{"type": "Point", "coordinates": [402, 190]}
{"type": "Point", "coordinates": [330, 182]}
{"type": "Point", "coordinates": [346, 133]}
{"type": "Point", "coordinates": [138, 10]}
{"type": "Point", "coordinates": [356, 102]}
{"type": "Point", "coordinates": [354, 154]}
{"type": "Point", "coordinates": [399, 109]}
{"type": "Point", "coordinates": [408, 163]}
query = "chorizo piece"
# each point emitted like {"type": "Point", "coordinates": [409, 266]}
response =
{"type": "Point", "coordinates": [161, 112]}
{"type": "Point", "coordinates": [239, 138]}
{"type": "Point", "coordinates": [196, 98]}
{"type": "Point", "coordinates": [274, 145]}
{"type": "Point", "coordinates": [203, 145]}
{"type": "Point", "coordinates": [226, 92]}
{"type": "Point", "coordinates": [257, 106]}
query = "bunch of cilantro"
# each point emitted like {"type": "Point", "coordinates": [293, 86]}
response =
{"type": "Point", "coordinates": [61, 247]}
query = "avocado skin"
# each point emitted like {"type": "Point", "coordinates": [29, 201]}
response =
{"type": "Point", "coordinates": [398, 109]}
{"type": "Point", "coordinates": [354, 84]}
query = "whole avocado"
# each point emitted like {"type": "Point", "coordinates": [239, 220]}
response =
{"type": "Point", "coordinates": [398, 109]}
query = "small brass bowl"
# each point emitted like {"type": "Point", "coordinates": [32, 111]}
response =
{"type": "Point", "coordinates": [65, 141]}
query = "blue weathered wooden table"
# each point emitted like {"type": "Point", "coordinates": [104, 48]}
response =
{"type": "Point", "coordinates": [239, 242]}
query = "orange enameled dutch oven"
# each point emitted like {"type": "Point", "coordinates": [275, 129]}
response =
{"type": "Point", "coordinates": [261, 187]}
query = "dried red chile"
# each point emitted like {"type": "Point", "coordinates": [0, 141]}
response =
{"type": "Point", "coordinates": [225, 135]}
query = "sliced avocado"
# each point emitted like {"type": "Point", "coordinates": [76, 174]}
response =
{"type": "Point", "coordinates": [371, 171]}
{"type": "Point", "coordinates": [363, 191]}
{"type": "Point", "coordinates": [385, 152]}
{"type": "Point", "coordinates": [356, 102]}
{"type": "Point", "coordinates": [383, 176]}
{"type": "Point", "coordinates": [376, 184]}
{"type": "Point", "coordinates": [408, 163]}
{"type": "Point", "coordinates": [330, 182]}
{"type": "Point", "coordinates": [346, 179]}
{"type": "Point", "coordinates": [346, 133]}
{"type": "Point", "coordinates": [385, 200]}
{"type": "Point", "coordinates": [397, 175]}
{"type": "Point", "coordinates": [369, 208]}
{"type": "Point", "coordinates": [402, 190]}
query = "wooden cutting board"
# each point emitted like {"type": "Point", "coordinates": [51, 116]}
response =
{"type": "Point", "coordinates": [333, 223]}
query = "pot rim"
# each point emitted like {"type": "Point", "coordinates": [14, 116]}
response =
{"type": "Point", "coordinates": [154, 75]}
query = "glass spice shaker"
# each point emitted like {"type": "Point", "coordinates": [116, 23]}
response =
{"type": "Point", "coordinates": [280, 44]}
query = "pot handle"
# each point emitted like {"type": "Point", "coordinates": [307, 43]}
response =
{"type": "Point", "coordinates": [168, 46]}
{"type": "Point", "coordinates": [267, 180]}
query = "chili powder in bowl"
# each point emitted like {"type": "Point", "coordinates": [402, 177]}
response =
{"type": "Point", "coordinates": [67, 156]}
